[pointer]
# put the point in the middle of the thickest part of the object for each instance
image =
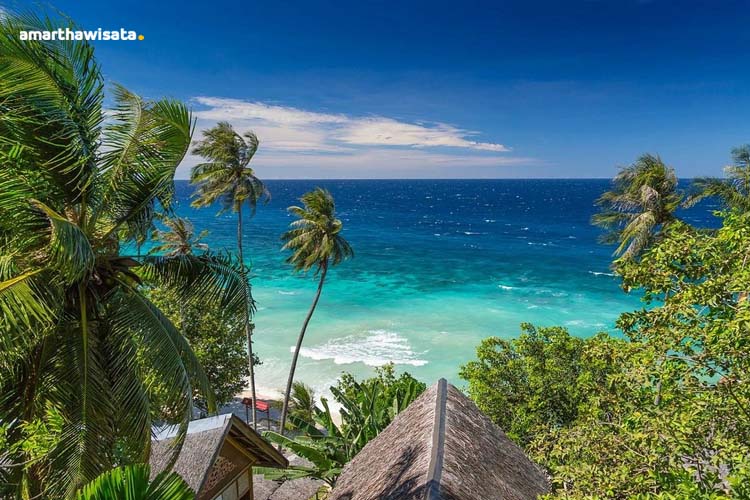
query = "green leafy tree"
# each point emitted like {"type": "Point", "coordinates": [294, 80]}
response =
{"type": "Point", "coordinates": [227, 178]}
{"type": "Point", "coordinates": [132, 482]}
{"type": "Point", "coordinates": [679, 427]}
{"type": "Point", "coordinates": [78, 338]}
{"type": "Point", "coordinates": [640, 205]}
{"type": "Point", "coordinates": [734, 190]}
{"type": "Point", "coordinates": [669, 416]}
{"type": "Point", "coordinates": [316, 243]}
{"type": "Point", "coordinates": [539, 381]}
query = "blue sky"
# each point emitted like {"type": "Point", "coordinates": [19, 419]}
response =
{"type": "Point", "coordinates": [559, 88]}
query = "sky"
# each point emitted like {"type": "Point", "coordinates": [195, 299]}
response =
{"type": "Point", "coordinates": [433, 89]}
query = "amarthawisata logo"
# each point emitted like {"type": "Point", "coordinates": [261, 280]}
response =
{"type": "Point", "coordinates": [94, 35]}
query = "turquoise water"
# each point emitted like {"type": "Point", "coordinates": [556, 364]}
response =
{"type": "Point", "coordinates": [438, 266]}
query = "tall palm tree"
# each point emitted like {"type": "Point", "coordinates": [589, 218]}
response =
{"type": "Point", "coordinates": [316, 243]}
{"type": "Point", "coordinates": [79, 340]}
{"type": "Point", "coordinates": [226, 177]}
{"type": "Point", "coordinates": [734, 190]}
{"type": "Point", "coordinates": [641, 204]}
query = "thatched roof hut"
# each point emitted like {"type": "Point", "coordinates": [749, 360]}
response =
{"type": "Point", "coordinates": [441, 447]}
{"type": "Point", "coordinates": [216, 457]}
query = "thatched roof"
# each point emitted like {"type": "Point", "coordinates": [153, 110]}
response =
{"type": "Point", "coordinates": [204, 441]}
{"type": "Point", "coordinates": [441, 447]}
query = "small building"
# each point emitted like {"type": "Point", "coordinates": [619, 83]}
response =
{"type": "Point", "coordinates": [441, 448]}
{"type": "Point", "coordinates": [217, 457]}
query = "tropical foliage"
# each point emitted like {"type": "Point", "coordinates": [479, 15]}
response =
{"type": "Point", "coordinates": [79, 340]}
{"type": "Point", "coordinates": [132, 483]}
{"type": "Point", "coordinates": [316, 243]}
{"type": "Point", "coordinates": [366, 408]}
{"type": "Point", "coordinates": [732, 191]}
{"type": "Point", "coordinates": [640, 205]}
{"type": "Point", "coordinates": [178, 238]}
{"type": "Point", "coordinates": [664, 413]}
{"type": "Point", "coordinates": [538, 382]}
{"type": "Point", "coordinates": [226, 178]}
{"type": "Point", "coordinates": [303, 402]}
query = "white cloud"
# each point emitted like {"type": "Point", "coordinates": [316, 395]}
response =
{"type": "Point", "coordinates": [389, 132]}
{"type": "Point", "coordinates": [235, 109]}
{"type": "Point", "coordinates": [301, 143]}
{"type": "Point", "coordinates": [287, 128]}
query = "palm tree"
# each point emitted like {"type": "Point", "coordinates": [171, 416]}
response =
{"type": "Point", "coordinates": [227, 178]}
{"type": "Point", "coordinates": [132, 482]}
{"type": "Point", "coordinates": [734, 190]}
{"type": "Point", "coordinates": [79, 340]}
{"type": "Point", "coordinates": [640, 206]}
{"type": "Point", "coordinates": [316, 243]}
{"type": "Point", "coordinates": [179, 238]}
{"type": "Point", "coordinates": [302, 402]}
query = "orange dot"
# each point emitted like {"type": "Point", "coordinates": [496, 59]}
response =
{"type": "Point", "coordinates": [140, 37]}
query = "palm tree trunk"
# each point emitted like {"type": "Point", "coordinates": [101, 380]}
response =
{"type": "Point", "coordinates": [297, 348]}
{"type": "Point", "coordinates": [248, 330]}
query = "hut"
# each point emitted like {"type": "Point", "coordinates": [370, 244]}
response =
{"type": "Point", "coordinates": [441, 448]}
{"type": "Point", "coordinates": [217, 457]}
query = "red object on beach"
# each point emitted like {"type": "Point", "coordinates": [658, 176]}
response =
{"type": "Point", "coordinates": [259, 405]}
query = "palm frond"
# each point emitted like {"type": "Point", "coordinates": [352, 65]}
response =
{"type": "Point", "coordinates": [209, 277]}
{"type": "Point", "coordinates": [54, 91]}
{"type": "Point", "coordinates": [145, 144]}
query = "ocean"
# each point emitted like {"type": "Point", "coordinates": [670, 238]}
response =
{"type": "Point", "coordinates": [438, 266]}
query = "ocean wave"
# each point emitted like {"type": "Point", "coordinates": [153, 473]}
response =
{"type": "Point", "coordinates": [375, 348]}
{"type": "Point", "coordinates": [585, 324]}
{"type": "Point", "coordinates": [600, 273]}
{"type": "Point", "coordinates": [505, 287]}
{"type": "Point", "coordinates": [284, 292]}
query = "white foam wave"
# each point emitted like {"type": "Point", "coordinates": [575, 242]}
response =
{"type": "Point", "coordinates": [374, 348]}
{"type": "Point", "coordinates": [505, 287]}
{"type": "Point", "coordinates": [599, 273]}
{"type": "Point", "coordinates": [284, 292]}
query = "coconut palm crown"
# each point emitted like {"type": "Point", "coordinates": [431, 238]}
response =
{"type": "Point", "coordinates": [87, 362]}
{"type": "Point", "coordinates": [640, 205]}
{"type": "Point", "coordinates": [178, 238]}
{"type": "Point", "coordinates": [226, 176]}
{"type": "Point", "coordinates": [734, 190]}
{"type": "Point", "coordinates": [315, 237]}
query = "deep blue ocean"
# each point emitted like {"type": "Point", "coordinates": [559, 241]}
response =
{"type": "Point", "coordinates": [438, 265]}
